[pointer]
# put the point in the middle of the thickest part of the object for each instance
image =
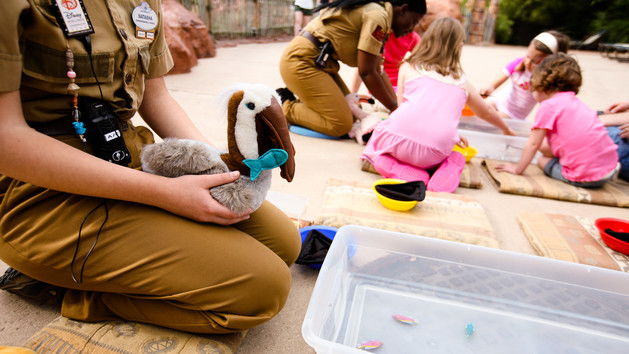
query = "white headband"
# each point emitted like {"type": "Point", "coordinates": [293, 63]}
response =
{"type": "Point", "coordinates": [549, 40]}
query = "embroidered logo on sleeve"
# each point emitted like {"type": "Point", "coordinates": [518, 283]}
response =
{"type": "Point", "coordinates": [378, 34]}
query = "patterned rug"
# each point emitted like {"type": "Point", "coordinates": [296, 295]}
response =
{"type": "Point", "coordinates": [63, 335]}
{"type": "Point", "coordinates": [470, 177]}
{"type": "Point", "coordinates": [447, 216]}
{"type": "Point", "coordinates": [534, 183]}
{"type": "Point", "coordinates": [570, 238]}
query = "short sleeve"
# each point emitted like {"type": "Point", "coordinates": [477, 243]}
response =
{"type": "Point", "coordinates": [10, 55]}
{"type": "Point", "coordinates": [545, 117]}
{"type": "Point", "coordinates": [374, 30]}
{"type": "Point", "coordinates": [161, 60]}
{"type": "Point", "coordinates": [415, 38]}
{"type": "Point", "coordinates": [510, 68]}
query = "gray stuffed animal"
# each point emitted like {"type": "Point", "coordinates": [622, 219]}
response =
{"type": "Point", "coordinates": [258, 141]}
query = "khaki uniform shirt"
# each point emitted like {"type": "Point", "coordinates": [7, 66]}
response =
{"type": "Point", "coordinates": [33, 60]}
{"type": "Point", "coordinates": [364, 28]}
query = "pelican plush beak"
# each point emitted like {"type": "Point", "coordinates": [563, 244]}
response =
{"type": "Point", "coordinates": [273, 134]}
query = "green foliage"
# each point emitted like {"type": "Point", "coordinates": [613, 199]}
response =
{"type": "Point", "coordinates": [615, 20]}
{"type": "Point", "coordinates": [503, 28]}
{"type": "Point", "coordinates": [576, 18]}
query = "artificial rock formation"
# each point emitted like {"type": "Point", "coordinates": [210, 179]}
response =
{"type": "Point", "coordinates": [187, 36]}
{"type": "Point", "coordinates": [439, 8]}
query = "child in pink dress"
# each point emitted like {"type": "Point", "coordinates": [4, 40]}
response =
{"type": "Point", "coordinates": [417, 138]}
{"type": "Point", "coordinates": [573, 141]}
{"type": "Point", "coordinates": [516, 101]}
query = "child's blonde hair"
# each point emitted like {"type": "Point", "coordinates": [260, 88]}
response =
{"type": "Point", "coordinates": [440, 48]}
{"type": "Point", "coordinates": [557, 73]}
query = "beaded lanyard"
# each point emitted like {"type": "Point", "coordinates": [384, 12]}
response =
{"type": "Point", "coordinates": [73, 89]}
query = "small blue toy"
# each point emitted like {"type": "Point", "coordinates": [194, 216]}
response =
{"type": "Point", "coordinates": [469, 329]}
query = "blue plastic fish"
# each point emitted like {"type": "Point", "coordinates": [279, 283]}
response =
{"type": "Point", "coordinates": [469, 329]}
{"type": "Point", "coordinates": [269, 160]}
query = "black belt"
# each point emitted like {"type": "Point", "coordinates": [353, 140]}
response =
{"type": "Point", "coordinates": [63, 126]}
{"type": "Point", "coordinates": [311, 38]}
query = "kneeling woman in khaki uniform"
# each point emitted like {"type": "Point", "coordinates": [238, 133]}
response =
{"type": "Point", "coordinates": [350, 31]}
{"type": "Point", "coordinates": [125, 243]}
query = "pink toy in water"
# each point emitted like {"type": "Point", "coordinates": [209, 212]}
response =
{"type": "Point", "coordinates": [372, 344]}
{"type": "Point", "coordinates": [405, 319]}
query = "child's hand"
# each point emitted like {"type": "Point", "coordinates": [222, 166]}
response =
{"type": "Point", "coordinates": [462, 142]}
{"type": "Point", "coordinates": [617, 107]}
{"type": "Point", "coordinates": [624, 131]}
{"type": "Point", "coordinates": [507, 167]}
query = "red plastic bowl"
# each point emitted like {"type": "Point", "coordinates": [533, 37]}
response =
{"type": "Point", "coordinates": [617, 225]}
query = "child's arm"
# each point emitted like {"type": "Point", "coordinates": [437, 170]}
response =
{"type": "Point", "coordinates": [483, 111]}
{"type": "Point", "coordinates": [356, 82]}
{"type": "Point", "coordinates": [486, 91]}
{"type": "Point", "coordinates": [615, 119]}
{"type": "Point", "coordinates": [528, 153]}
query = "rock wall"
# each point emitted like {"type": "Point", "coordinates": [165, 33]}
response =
{"type": "Point", "coordinates": [437, 9]}
{"type": "Point", "coordinates": [187, 36]}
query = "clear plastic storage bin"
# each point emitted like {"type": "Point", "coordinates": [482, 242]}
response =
{"type": "Point", "coordinates": [516, 303]}
{"type": "Point", "coordinates": [496, 146]}
{"type": "Point", "coordinates": [520, 127]}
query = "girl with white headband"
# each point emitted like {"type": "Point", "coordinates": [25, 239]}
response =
{"type": "Point", "coordinates": [516, 101]}
{"type": "Point", "coordinates": [573, 142]}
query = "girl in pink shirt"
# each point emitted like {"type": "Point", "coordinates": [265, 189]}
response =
{"type": "Point", "coordinates": [516, 101]}
{"type": "Point", "coordinates": [576, 148]}
{"type": "Point", "coordinates": [416, 141]}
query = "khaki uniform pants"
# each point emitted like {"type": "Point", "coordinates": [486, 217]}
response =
{"type": "Point", "coordinates": [321, 106]}
{"type": "Point", "coordinates": [149, 265]}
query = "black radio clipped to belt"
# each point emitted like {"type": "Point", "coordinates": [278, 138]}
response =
{"type": "Point", "coordinates": [103, 132]}
{"type": "Point", "coordinates": [324, 55]}
{"type": "Point", "coordinates": [325, 48]}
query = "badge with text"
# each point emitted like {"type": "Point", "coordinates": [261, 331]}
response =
{"type": "Point", "coordinates": [72, 18]}
{"type": "Point", "coordinates": [378, 34]}
{"type": "Point", "coordinates": [145, 20]}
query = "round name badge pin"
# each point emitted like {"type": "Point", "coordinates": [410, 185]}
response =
{"type": "Point", "coordinates": [144, 17]}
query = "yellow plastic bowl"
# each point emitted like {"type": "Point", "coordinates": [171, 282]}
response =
{"type": "Point", "coordinates": [467, 152]}
{"type": "Point", "coordinates": [389, 203]}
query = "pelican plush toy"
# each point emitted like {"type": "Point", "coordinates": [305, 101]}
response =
{"type": "Point", "coordinates": [257, 141]}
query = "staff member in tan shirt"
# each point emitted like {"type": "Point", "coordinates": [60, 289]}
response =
{"type": "Point", "coordinates": [124, 243]}
{"type": "Point", "coordinates": [350, 31]}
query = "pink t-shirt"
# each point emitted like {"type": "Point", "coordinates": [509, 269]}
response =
{"type": "Point", "coordinates": [516, 100]}
{"type": "Point", "coordinates": [394, 51]}
{"type": "Point", "coordinates": [577, 137]}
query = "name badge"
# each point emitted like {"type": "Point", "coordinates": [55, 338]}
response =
{"type": "Point", "coordinates": [145, 20]}
{"type": "Point", "coordinates": [72, 18]}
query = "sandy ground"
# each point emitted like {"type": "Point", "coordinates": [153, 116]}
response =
{"type": "Point", "coordinates": [605, 81]}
